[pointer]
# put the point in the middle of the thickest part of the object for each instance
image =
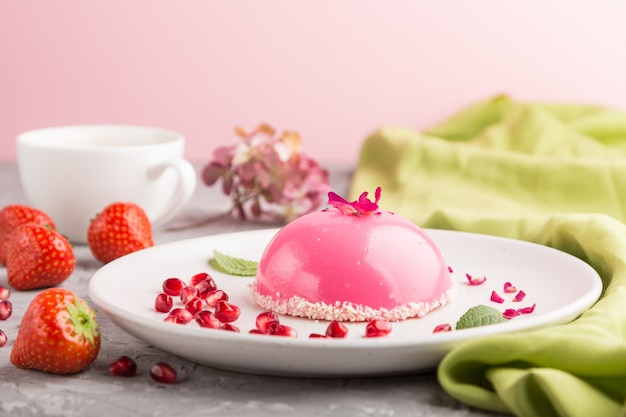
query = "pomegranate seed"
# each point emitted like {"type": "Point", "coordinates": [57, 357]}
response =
{"type": "Point", "coordinates": [179, 316]}
{"type": "Point", "coordinates": [163, 373]}
{"type": "Point", "coordinates": [336, 329]}
{"type": "Point", "coordinates": [205, 318]}
{"type": "Point", "coordinates": [277, 329]}
{"type": "Point", "coordinates": [255, 331]}
{"type": "Point", "coordinates": [187, 293]}
{"type": "Point", "coordinates": [3, 338]}
{"type": "Point", "coordinates": [441, 328]}
{"type": "Point", "coordinates": [173, 286]}
{"type": "Point", "coordinates": [226, 312]}
{"type": "Point", "coordinates": [205, 287]}
{"type": "Point", "coordinates": [264, 320]}
{"type": "Point", "coordinates": [5, 293]}
{"type": "Point", "coordinates": [318, 336]}
{"type": "Point", "coordinates": [229, 327]}
{"type": "Point", "coordinates": [213, 297]}
{"type": "Point", "coordinates": [163, 303]}
{"type": "Point", "coordinates": [194, 305]}
{"type": "Point", "coordinates": [196, 279]}
{"type": "Point", "coordinates": [123, 366]}
{"type": "Point", "coordinates": [377, 328]}
{"type": "Point", "coordinates": [6, 308]}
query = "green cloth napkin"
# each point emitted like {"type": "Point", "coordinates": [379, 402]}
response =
{"type": "Point", "coordinates": [554, 174]}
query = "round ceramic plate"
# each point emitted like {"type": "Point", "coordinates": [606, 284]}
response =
{"type": "Point", "coordinates": [559, 285]}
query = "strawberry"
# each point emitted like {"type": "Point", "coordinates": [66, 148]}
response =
{"type": "Point", "coordinates": [13, 216]}
{"type": "Point", "coordinates": [121, 228]}
{"type": "Point", "coordinates": [58, 334]}
{"type": "Point", "coordinates": [38, 257]}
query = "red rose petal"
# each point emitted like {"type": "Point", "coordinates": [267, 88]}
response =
{"type": "Point", "coordinates": [509, 288]}
{"type": "Point", "coordinates": [441, 328]}
{"type": "Point", "coordinates": [510, 313]}
{"type": "Point", "coordinates": [496, 298]}
{"type": "Point", "coordinates": [519, 296]}
{"type": "Point", "coordinates": [527, 310]}
{"type": "Point", "coordinates": [475, 280]}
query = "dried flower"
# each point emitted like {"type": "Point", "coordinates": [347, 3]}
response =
{"type": "Point", "coordinates": [442, 328]}
{"type": "Point", "coordinates": [267, 175]}
{"type": "Point", "coordinates": [519, 296]}
{"type": "Point", "coordinates": [496, 298]}
{"type": "Point", "coordinates": [527, 310]}
{"type": "Point", "coordinates": [475, 280]}
{"type": "Point", "coordinates": [510, 313]}
{"type": "Point", "coordinates": [360, 207]}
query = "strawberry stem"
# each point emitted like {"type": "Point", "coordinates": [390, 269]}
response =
{"type": "Point", "coordinates": [84, 319]}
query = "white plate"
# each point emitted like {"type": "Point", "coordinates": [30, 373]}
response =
{"type": "Point", "coordinates": [560, 285]}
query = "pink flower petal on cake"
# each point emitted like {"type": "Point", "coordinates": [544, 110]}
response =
{"type": "Point", "coordinates": [377, 194]}
{"type": "Point", "coordinates": [360, 207]}
{"type": "Point", "coordinates": [496, 298]}
{"type": "Point", "coordinates": [519, 296]}
{"type": "Point", "coordinates": [509, 288]}
{"type": "Point", "coordinates": [510, 313]}
{"type": "Point", "coordinates": [340, 203]}
{"type": "Point", "coordinates": [364, 205]}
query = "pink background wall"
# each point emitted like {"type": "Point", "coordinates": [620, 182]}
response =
{"type": "Point", "coordinates": [332, 69]}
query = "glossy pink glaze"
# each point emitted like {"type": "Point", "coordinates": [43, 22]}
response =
{"type": "Point", "coordinates": [379, 261]}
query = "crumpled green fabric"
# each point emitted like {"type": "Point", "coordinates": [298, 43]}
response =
{"type": "Point", "coordinates": [553, 174]}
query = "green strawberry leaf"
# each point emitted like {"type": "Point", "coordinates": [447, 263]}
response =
{"type": "Point", "coordinates": [83, 318]}
{"type": "Point", "coordinates": [480, 315]}
{"type": "Point", "coordinates": [233, 266]}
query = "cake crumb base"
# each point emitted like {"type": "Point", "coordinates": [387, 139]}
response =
{"type": "Point", "coordinates": [347, 311]}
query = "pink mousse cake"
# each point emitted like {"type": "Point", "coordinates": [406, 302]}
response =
{"type": "Point", "coordinates": [352, 262]}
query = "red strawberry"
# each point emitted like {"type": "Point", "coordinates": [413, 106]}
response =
{"type": "Point", "coordinates": [38, 257]}
{"type": "Point", "coordinates": [120, 229]}
{"type": "Point", "coordinates": [58, 334]}
{"type": "Point", "coordinates": [13, 216]}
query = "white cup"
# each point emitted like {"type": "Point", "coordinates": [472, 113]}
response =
{"type": "Point", "coordinates": [73, 172]}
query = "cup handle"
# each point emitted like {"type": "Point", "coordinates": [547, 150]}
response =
{"type": "Point", "coordinates": [185, 188]}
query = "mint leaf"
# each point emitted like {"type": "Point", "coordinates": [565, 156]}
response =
{"type": "Point", "coordinates": [232, 265]}
{"type": "Point", "coordinates": [480, 315]}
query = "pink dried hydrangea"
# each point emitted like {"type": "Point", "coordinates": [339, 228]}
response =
{"type": "Point", "coordinates": [267, 176]}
